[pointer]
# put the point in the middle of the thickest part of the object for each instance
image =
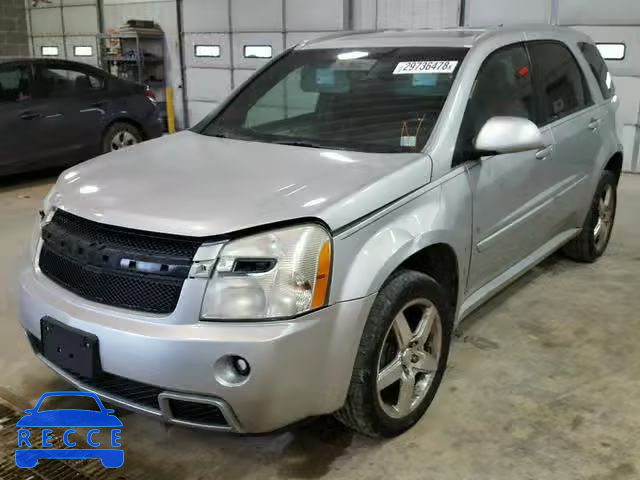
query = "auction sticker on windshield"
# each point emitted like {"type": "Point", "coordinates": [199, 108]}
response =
{"type": "Point", "coordinates": [428, 66]}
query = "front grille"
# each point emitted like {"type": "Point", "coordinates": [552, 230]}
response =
{"type": "Point", "coordinates": [116, 266]}
{"type": "Point", "coordinates": [125, 238]}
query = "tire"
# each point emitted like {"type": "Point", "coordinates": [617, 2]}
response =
{"type": "Point", "coordinates": [120, 135]}
{"type": "Point", "coordinates": [596, 231]}
{"type": "Point", "coordinates": [372, 413]}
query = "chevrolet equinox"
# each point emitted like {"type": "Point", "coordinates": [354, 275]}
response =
{"type": "Point", "coordinates": [309, 247]}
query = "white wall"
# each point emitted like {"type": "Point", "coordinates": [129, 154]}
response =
{"type": "Point", "coordinates": [386, 14]}
{"type": "Point", "coordinates": [482, 13]}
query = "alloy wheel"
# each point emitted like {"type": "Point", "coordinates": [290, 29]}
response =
{"type": "Point", "coordinates": [606, 209]}
{"type": "Point", "coordinates": [409, 358]}
{"type": "Point", "coordinates": [122, 139]}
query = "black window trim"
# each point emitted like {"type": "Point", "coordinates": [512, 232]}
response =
{"type": "Point", "coordinates": [624, 55]}
{"type": "Point", "coordinates": [540, 92]}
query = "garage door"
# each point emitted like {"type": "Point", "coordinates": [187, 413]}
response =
{"type": "Point", "coordinates": [65, 29]}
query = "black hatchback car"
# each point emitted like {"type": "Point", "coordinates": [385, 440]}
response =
{"type": "Point", "coordinates": [57, 113]}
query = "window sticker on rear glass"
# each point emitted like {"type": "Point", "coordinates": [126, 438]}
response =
{"type": "Point", "coordinates": [428, 66]}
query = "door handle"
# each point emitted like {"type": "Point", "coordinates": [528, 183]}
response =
{"type": "Point", "coordinates": [30, 115]}
{"type": "Point", "coordinates": [100, 103]}
{"type": "Point", "coordinates": [544, 152]}
{"type": "Point", "coordinates": [594, 123]}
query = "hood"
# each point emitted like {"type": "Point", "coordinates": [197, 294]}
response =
{"type": "Point", "coordinates": [194, 185]}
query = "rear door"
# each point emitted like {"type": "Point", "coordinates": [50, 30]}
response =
{"type": "Point", "coordinates": [574, 118]}
{"type": "Point", "coordinates": [18, 118]}
{"type": "Point", "coordinates": [507, 189]}
{"type": "Point", "coordinates": [75, 102]}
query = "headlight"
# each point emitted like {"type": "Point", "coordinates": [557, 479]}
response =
{"type": "Point", "coordinates": [50, 202]}
{"type": "Point", "coordinates": [276, 274]}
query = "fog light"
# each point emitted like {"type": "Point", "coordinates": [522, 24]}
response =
{"type": "Point", "coordinates": [231, 370]}
{"type": "Point", "coordinates": [241, 366]}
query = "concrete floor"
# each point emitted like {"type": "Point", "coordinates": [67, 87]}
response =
{"type": "Point", "coordinates": [543, 383]}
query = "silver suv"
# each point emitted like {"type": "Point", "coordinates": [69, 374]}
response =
{"type": "Point", "coordinates": [309, 247]}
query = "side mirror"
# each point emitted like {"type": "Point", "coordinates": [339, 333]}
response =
{"type": "Point", "coordinates": [29, 411]}
{"type": "Point", "coordinates": [508, 135]}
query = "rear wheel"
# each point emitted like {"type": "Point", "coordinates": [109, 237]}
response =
{"type": "Point", "coordinates": [596, 231]}
{"type": "Point", "coordinates": [402, 357]}
{"type": "Point", "coordinates": [120, 135]}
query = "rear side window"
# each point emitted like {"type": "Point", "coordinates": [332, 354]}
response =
{"type": "Point", "coordinates": [560, 79]}
{"type": "Point", "coordinates": [599, 69]}
{"type": "Point", "coordinates": [15, 83]}
{"type": "Point", "coordinates": [54, 81]}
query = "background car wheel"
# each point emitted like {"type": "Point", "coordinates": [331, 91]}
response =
{"type": "Point", "coordinates": [120, 135]}
{"type": "Point", "coordinates": [401, 358]}
{"type": "Point", "coordinates": [596, 231]}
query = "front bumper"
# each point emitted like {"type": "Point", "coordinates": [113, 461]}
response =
{"type": "Point", "coordinates": [299, 368]}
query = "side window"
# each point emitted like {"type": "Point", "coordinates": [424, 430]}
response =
{"type": "Point", "coordinates": [54, 81]}
{"type": "Point", "coordinates": [15, 83]}
{"type": "Point", "coordinates": [503, 87]}
{"type": "Point", "coordinates": [563, 87]}
{"type": "Point", "coordinates": [599, 69]}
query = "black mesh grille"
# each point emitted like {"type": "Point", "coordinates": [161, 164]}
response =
{"type": "Point", "coordinates": [122, 290]}
{"type": "Point", "coordinates": [100, 263]}
{"type": "Point", "coordinates": [196, 412]}
{"type": "Point", "coordinates": [125, 238]}
{"type": "Point", "coordinates": [134, 392]}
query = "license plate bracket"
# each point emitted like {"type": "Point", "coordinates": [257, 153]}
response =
{"type": "Point", "coordinates": [69, 348]}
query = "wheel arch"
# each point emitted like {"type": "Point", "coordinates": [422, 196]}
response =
{"type": "Point", "coordinates": [431, 235]}
{"type": "Point", "coordinates": [440, 262]}
{"type": "Point", "coordinates": [614, 164]}
{"type": "Point", "coordinates": [434, 253]}
{"type": "Point", "coordinates": [123, 119]}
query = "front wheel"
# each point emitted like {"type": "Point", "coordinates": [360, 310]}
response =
{"type": "Point", "coordinates": [120, 135]}
{"type": "Point", "coordinates": [402, 356]}
{"type": "Point", "coordinates": [597, 228]}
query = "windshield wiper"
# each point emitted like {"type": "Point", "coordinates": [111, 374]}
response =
{"type": "Point", "coordinates": [221, 133]}
{"type": "Point", "coordinates": [299, 143]}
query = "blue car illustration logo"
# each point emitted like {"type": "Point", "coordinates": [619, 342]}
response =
{"type": "Point", "coordinates": [69, 419]}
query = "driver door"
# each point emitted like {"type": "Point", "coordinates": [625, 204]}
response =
{"type": "Point", "coordinates": [508, 190]}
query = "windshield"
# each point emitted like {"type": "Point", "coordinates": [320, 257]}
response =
{"type": "Point", "coordinates": [365, 99]}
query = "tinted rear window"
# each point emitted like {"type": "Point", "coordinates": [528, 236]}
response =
{"type": "Point", "coordinates": [560, 78]}
{"type": "Point", "coordinates": [599, 68]}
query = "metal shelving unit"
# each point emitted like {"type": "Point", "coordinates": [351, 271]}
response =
{"type": "Point", "coordinates": [136, 54]}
